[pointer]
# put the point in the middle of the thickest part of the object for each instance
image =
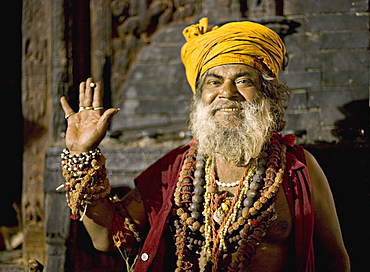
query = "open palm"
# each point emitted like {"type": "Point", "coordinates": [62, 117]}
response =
{"type": "Point", "coordinates": [88, 127]}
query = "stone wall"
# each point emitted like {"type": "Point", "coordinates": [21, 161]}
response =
{"type": "Point", "coordinates": [328, 49]}
{"type": "Point", "coordinates": [329, 65]}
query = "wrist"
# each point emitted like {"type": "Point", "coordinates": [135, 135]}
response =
{"type": "Point", "coordinates": [73, 152]}
{"type": "Point", "coordinates": [86, 179]}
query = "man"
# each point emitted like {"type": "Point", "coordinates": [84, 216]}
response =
{"type": "Point", "coordinates": [239, 197]}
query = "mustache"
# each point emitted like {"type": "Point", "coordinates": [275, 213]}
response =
{"type": "Point", "coordinates": [239, 105]}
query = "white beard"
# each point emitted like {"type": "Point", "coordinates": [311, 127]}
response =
{"type": "Point", "coordinates": [236, 144]}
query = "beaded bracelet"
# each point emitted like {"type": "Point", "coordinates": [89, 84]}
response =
{"type": "Point", "coordinates": [85, 179]}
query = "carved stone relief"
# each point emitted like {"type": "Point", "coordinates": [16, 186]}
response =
{"type": "Point", "coordinates": [259, 9]}
{"type": "Point", "coordinates": [185, 10]}
{"type": "Point", "coordinates": [36, 112]}
{"type": "Point", "coordinates": [133, 22]}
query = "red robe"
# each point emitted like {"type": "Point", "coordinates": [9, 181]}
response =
{"type": "Point", "coordinates": [157, 185]}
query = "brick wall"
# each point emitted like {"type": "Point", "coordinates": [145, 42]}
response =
{"type": "Point", "coordinates": [329, 64]}
{"type": "Point", "coordinates": [156, 95]}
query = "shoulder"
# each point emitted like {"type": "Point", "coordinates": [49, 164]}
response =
{"type": "Point", "coordinates": [316, 173]}
{"type": "Point", "coordinates": [299, 158]}
{"type": "Point", "coordinates": [320, 185]}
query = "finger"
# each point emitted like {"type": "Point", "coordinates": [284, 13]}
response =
{"type": "Point", "coordinates": [65, 105]}
{"type": "Point", "coordinates": [98, 95]}
{"type": "Point", "coordinates": [88, 92]}
{"type": "Point", "coordinates": [106, 117]}
{"type": "Point", "coordinates": [82, 94]}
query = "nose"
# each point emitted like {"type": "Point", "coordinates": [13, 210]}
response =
{"type": "Point", "coordinates": [229, 91]}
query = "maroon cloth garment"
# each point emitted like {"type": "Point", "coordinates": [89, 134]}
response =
{"type": "Point", "coordinates": [157, 184]}
{"type": "Point", "coordinates": [297, 187]}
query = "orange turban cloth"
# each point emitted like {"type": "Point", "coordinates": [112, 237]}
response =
{"type": "Point", "coordinates": [233, 43]}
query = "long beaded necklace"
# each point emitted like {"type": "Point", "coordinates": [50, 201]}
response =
{"type": "Point", "coordinates": [210, 213]}
{"type": "Point", "coordinates": [252, 209]}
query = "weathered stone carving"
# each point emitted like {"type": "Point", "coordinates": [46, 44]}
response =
{"type": "Point", "coordinates": [36, 112]}
{"type": "Point", "coordinates": [133, 22]}
{"type": "Point", "coordinates": [159, 14]}
{"type": "Point", "coordinates": [258, 9]}
{"type": "Point", "coordinates": [185, 10]}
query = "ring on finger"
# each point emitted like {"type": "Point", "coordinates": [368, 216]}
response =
{"type": "Point", "coordinates": [92, 85]}
{"type": "Point", "coordinates": [69, 115]}
{"type": "Point", "coordinates": [84, 108]}
{"type": "Point", "coordinates": [98, 108]}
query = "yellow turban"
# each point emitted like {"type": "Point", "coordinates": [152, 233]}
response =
{"type": "Point", "coordinates": [237, 42]}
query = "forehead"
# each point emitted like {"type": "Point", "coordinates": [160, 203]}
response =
{"type": "Point", "coordinates": [229, 70]}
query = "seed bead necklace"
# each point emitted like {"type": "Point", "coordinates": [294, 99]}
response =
{"type": "Point", "coordinates": [228, 185]}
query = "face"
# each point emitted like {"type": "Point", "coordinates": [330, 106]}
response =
{"type": "Point", "coordinates": [226, 84]}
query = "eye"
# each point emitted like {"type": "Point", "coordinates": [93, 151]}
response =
{"type": "Point", "coordinates": [213, 82]}
{"type": "Point", "coordinates": [244, 81]}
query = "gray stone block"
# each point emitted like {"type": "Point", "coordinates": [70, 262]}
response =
{"type": "Point", "coordinates": [163, 105]}
{"type": "Point", "coordinates": [301, 79]}
{"type": "Point", "coordinates": [330, 98]}
{"type": "Point", "coordinates": [172, 34]}
{"type": "Point", "coordinates": [151, 88]}
{"type": "Point", "coordinates": [330, 114]}
{"type": "Point", "coordinates": [53, 178]}
{"type": "Point", "coordinates": [302, 120]}
{"type": "Point", "coordinates": [313, 60]}
{"type": "Point", "coordinates": [350, 39]}
{"type": "Point", "coordinates": [338, 59]}
{"type": "Point", "coordinates": [346, 77]}
{"type": "Point", "coordinates": [157, 71]}
{"type": "Point", "coordinates": [56, 210]}
{"type": "Point", "coordinates": [302, 42]}
{"type": "Point", "coordinates": [145, 121]}
{"type": "Point", "coordinates": [345, 6]}
{"type": "Point", "coordinates": [295, 7]}
{"type": "Point", "coordinates": [156, 53]}
{"type": "Point", "coordinates": [132, 160]}
{"type": "Point", "coordinates": [53, 172]}
{"type": "Point", "coordinates": [345, 21]}
{"type": "Point", "coordinates": [298, 101]}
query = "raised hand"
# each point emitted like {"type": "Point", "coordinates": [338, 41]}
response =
{"type": "Point", "coordinates": [87, 128]}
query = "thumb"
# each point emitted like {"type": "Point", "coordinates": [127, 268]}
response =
{"type": "Point", "coordinates": [106, 117]}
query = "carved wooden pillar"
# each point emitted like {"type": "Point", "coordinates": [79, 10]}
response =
{"type": "Point", "coordinates": [36, 103]}
{"type": "Point", "coordinates": [100, 45]}
{"type": "Point", "coordinates": [56, 210]}
{"type": "Point", "coordinates": [100, 22]}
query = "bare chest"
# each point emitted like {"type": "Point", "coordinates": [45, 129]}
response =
{"type": "Point", "coordinates": [273, 253]}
